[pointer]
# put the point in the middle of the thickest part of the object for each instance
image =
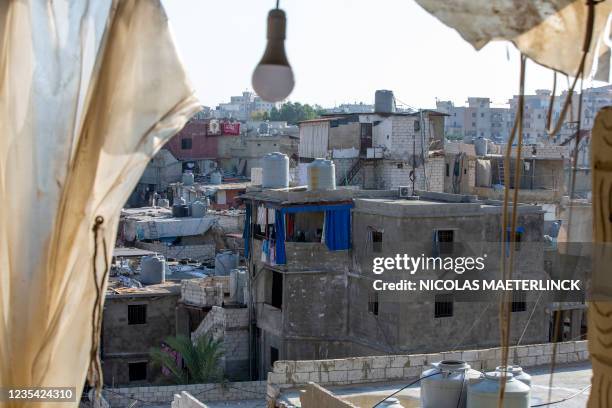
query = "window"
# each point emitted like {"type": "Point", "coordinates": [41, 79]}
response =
{"type": "Point", "coordinates": [447, 170]}
{"type": "Point", "coordinates": [377, 241]}
{"type": "Point", "coordinates": [473, 114]}
{"type": "Point", "coordinates": [273, 355]}
{"type": "Point", "coordinates": [518, 237]}
{"type": "Point", "coordinates": [445, 239]}
{"type": "Point", "coordinates": [137, 371]}
{"type": "Point", "coordinates": [443, 305]}
{"type": "Point", "coordinates": [400, 165]}
{"type": "Point", "coordinates": [186, 143]}
{"type": "Point", "coordinates": [137, 314]}
{"type": "Point", "coordinates": [482, 115]}
{"type": "Point", "coordinates": [519, 301]}
{"type": "Point", "coordinates": [473, 124]}
{"type": "Point", "coordinates": [277, 290]}
{"type": "Point", "coordinates": [417, 125]}
{"type": "Point", "coordinates": [373, 302]}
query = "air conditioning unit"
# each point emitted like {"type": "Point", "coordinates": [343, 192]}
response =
{"type": "Point", "coordinates": [404, 192]}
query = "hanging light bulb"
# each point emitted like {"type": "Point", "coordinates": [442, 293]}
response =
{"type": "Point", "coordinates": [273, 77]}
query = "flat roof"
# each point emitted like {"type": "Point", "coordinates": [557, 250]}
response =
{"type": "Point", "coordinates": [115, 289]}
{"type": "Point", "coordinates": [131, 252]}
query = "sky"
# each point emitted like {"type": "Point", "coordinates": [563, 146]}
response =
{"type": "Point", "coordinates": [341, 51]}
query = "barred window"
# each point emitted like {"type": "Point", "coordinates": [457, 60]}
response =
{"type": "Point", "coordinates": [443, 305]}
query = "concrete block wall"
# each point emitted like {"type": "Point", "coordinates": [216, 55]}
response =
{"type": "Point", "coordinates": [164, 395]}
{"type": "Point", "coordinates": [231, 223]}
{"type": "Point", "coordinates": [186, 400]}
{"type": "Point", "coordinates": [435, 171]}
{"type": "Point", "coordinates": [197, 252]}
{"type": "Point", "coordinates": [207, 291]}
{"type": "Point", "coordinates": [546, 152]}
{"type": "Point", "coordinates": [359, 370]}
{"type": "Point", "coordinates": [403, 136]}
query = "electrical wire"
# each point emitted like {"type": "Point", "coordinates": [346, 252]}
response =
{"type": "Point", "coordinates": [403, 388]}
{"type": "Point", "coordinates": [544, 404]}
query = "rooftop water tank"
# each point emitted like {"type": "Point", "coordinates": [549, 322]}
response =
{"type": "Point", "coordinates": [384, 101]}
{"type": "Point", "coordinates": [180, 210]}
{"type": "Point", "coordinates": [480, 146]}
{"type": "Point", "coordinates": [321, 175]}
{"type": "Point", "coordinates": [152, 269]}
{"type": "Point", "coordinates": [216, 177]}
{"type": "Point", "coordinates": [275, 170]}
{"type": "Point", "coordinates": [517, 372]}
{"type": "Point", "coordinates": [485, 394]}
{"type": "Point", "coordinates": [237, 285]}
{"type": "Point", "coordinates": [198, 209]}
{"type": "Point", "coordinates": [225, 262]}
{"type": "Point", "coordinates": [188, 178]}
{"type": "Point", "coordinates": [449, 379]}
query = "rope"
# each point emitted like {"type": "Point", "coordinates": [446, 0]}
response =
{"type": "Point", "coordinates": [94, 374]}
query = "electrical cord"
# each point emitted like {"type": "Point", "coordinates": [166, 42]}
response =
{"type": "Point", "coordinates": [544, 404]}
{"type": "Point", "coordinates": [403, 388]}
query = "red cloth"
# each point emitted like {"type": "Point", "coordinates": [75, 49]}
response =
{"type": "Point", "coordinates": [230, 128]}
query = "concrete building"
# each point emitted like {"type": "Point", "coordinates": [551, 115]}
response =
{"type": "Point", "coordinates": [242, 107]}
{"type": "Point", "coordinates": [478, 119]}
{"type": "Point", "coordinates": [375, 151]}
{"type": "Point", "coordinates": [316, 299]}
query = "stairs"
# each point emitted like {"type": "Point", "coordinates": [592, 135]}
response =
{"type": "Point", "coordinates": [350, 175]}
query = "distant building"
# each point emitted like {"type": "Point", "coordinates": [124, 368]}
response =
{"type": "Point", "coordinates": [352, 108]}
{"type": "Point", "coordinates": [242, 107]}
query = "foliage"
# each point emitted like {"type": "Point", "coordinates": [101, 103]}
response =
{"type": "Point", "coordinates": [293, 112]}
{"type": "Point", "coordinates": [201, 360]}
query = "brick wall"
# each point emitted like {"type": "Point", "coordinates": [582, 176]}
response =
{"type": "Point", "coordinates": [359, 370]}
{"type": "Point", "coordinates": [435, 170]}
{"type": "Point", "coordinates": [228, 391]}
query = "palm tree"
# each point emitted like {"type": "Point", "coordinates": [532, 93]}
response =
{"type": "Point", "coordinates": [201, 359]}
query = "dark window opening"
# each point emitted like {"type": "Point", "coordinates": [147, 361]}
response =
{"type": "Point", "coordinates": [400, 165]}
{"type": "Point", "coordinates": [518, 237]}
{"type": "Point", "coordinates": [277, 290]}
{"type": "Point", "coordinates": [273, 355]}
{"type": "Point", "coordinates": [447, 170]}
{"type": "Point", "coordinates": [137, 371]}
{"type": "Point", "coordinates": [443, 306]}
{"type": "Point", "coordinates": [373, 302]}
{"type": "Point", "coordinates": [445, 239]}
{"type": "Point", "coordinates": [137, 314]}
{"type": "Point", "coordinates": [366, 138]}
{"type": "Point", "coordinates": [519, 301]}
{"type": "Point", "coordinates": [186, 143]}
{"type": "Point", "coordinates": [417, 125]}
{"type": "Point", "coordinates": [377, 241]}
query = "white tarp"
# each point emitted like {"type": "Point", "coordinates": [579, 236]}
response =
{"type": "Point", "coordinates": [550, 32]}
{"type": "Point", "coordinates": [167, 227]}
{"type": "Point", "coordinates": [89, 91]}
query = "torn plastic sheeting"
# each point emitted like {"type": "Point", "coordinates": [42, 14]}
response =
{"type": "Point", "coordinates": [173, 227]}
{"type": "Point", "coordinates": [550, 32]}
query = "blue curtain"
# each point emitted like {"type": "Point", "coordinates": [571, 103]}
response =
{"type": "Point", "coordinates": [246, 233]}
{"type": "Point", "coordinates": [279, 230]}
{"type": "Point", "coordinates": [338, 229]}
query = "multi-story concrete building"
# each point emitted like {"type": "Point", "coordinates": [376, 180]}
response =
{"type": "Point", "coordinates": [243, 106]}
{"type": "Point", "coordinates": [477, 119]}
{"type": "Point", "coordinates": [310, 262]}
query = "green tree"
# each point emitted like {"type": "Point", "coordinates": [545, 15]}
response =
{"type": "Point", "coordinates": [294, 112]}
{"type": "Point", "coordinates": [200, 359]}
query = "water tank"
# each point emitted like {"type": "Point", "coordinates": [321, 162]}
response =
{"type": "Point", "coordinates": [517, 372]}
{"type": "Point", "coordinates": [275, 170]}
{"type": "Point", "coordinates": [188, 178]}
{"type": "Point", "coordinates": [480, 146]}
{"type": "Point", "coordinates": [321, 175]}
{"type": "Point", "coordinates": [198, 209]}
{"type": "Point", "coordinates": [216, 177]}
{"type": "Point", "coordinates": [225, 262]}
{"type": "Point", "coordinates": [163, 202]}
{"type": "Point", "coordinates": [180, 210]}
{"type": "Point", "coordinates": [384, 101]}
{"type": "Point", "coordinates": [152, 269]}
{"type": "Point", "coordinates": [449, 379]}
{"type": "Point", "coordinates": [237, 285]}
{"type": "Point", "coordinates": [484, 394]}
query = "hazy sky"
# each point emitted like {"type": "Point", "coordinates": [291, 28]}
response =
{"type": "Point", "coordinates": [343, 50]}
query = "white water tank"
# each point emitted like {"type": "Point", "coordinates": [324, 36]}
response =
{"type": "Point", "coordinates": [188, 178]}
{"type": "Point", "coordinates": [216, 178]}
{"type": "Point", "coordinates": [480, 146]}
{"type": "Point", "coordinates": [384, 101]}
{"type": "Point", "coordinates": [237, 285]}
{"type": "Point", "coordinates": [321, 175]}
{"type": "Point", "coordinates": [152, 269]}
{"type": "Point", "coordinates": [225, 262]}
{"type": "Point", "coordinates": [485, 393]}
{"type": "Point", "coordinates": [517, 372]}
{"type": "Point", "coordinates": [449, 380]}
{"type": "Point", "coordinates": [275, 170]}
{"type": "Point", "coordinates": [198, 209]}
